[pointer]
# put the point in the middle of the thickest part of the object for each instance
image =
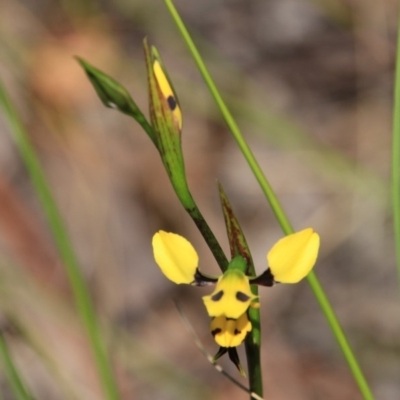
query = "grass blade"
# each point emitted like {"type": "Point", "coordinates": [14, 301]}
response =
{"type": "Point", "coordinates": [17, 386]}
{"type": "Point", "coordinates": [396, 156]}
{"type": "Point", "coordinates": [59, 233]}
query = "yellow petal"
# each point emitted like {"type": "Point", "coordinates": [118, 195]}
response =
{"type": "Point", "coordinates": [229, 332]}
{"type": "Point", "coordinates": [232, 295]}
{"type": "Point", "coordinates": [294, 256]}
{"type": "Point", "coordinates": [175, 256]}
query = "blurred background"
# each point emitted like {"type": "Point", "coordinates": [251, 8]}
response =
{"type": "Point", "coordinates": [310, 83]}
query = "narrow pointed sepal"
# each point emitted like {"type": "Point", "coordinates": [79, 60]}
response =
{"type": "Point", "coordinates": [237, 241]}
{"type": "Point", "coordinates": [234, 357]}
{"type": "Point", "coordinates": [221, 351]}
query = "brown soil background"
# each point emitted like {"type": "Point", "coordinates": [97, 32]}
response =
{"type": "Point", "coordinates": [310, 83]}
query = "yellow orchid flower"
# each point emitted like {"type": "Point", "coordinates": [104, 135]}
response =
{"type": "Point", "coordinates": [290, 260]}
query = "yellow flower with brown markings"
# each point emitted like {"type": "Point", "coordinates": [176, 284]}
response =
{"type": "Point", "coordinates": [232, 295]}
{"type": "Point", "coordinates": [229, 332]}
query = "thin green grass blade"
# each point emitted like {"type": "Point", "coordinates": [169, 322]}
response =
{"type": "Point", "coordinates": [275, 206]}
{"type": "Point", "coordinates": [19, 390]}
{"type": "Point", "coordinates": [396, 155]}
{"type": "Point", "coordinates": [60, 236]}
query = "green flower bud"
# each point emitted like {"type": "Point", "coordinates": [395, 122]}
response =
{"type": "Point", "coordinates": [166, 120]}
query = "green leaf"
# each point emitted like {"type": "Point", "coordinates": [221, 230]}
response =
{"type": "Point", "coordinates": [114, 95]}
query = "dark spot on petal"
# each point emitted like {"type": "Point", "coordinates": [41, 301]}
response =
{"type": "Point", "coordinates": [171, 102]}
{"type": "Point", "coordinates": [242, 297]}
{"type": "Point", "coordinates": [216, 331]}
{"type": "Point", "coordinates": [231, 319]}
{"type": "Point", "coordinates": [217, 296]}
{"type": "Point", "coordinates": [237, 332]}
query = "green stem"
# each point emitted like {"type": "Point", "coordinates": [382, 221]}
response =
{"type": "Point", "coordinates": [208, 235]}
{"type": "Point", "coordinates": [275, 205]}
{"type": "Point", "coordinates": [17, 386]}
{"type": "Point", "coordinates": [59, 233]}
{"type": "Point", "coordinates": [396, 156]}
{"type": "Point", "coordinates": [253, 351]}
{"type": "Point", "coordinates": [340, 336]}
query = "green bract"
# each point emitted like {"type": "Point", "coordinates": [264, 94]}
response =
{"type": "Point", "coordinates": [166, 120]}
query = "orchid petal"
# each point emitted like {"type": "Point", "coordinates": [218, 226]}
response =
{"type": "Point", "coordinates": [175, 256]}
{"type": "Point", "coordinates": [294, 256]}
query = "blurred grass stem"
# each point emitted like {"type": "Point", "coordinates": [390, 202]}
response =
{"type": "Point", "coordinates": [60, 236]}
{"type": "Point", "coordinates": [17, 386]}
{"type": "Point", "coordinates": [396, 155]}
